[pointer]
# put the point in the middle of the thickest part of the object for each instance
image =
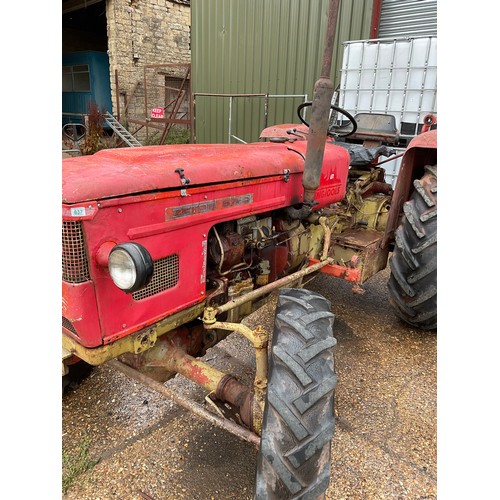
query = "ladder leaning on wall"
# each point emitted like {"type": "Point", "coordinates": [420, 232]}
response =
{"type": "Point", "coordinates": [121, 131]}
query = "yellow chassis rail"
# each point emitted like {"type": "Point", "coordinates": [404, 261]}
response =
{"type": "Point", "coordinates": [146, 338]}
{"type": "Point", "coordinates": [136, 343]}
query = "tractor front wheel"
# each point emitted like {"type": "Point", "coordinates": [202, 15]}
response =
{"type": "Point", "coordinates": [298, 421]}
{"type": "Point", "coordinates": [413, 280]}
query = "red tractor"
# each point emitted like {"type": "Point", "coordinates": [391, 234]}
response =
{"type": "Point", "coordinates": [167, 248]}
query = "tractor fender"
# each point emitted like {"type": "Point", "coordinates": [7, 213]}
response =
{"type": "Point", "coordinates": [421, 151]}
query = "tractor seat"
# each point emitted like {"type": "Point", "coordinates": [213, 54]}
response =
{"type": "Point", "coordinates": [374, 129]}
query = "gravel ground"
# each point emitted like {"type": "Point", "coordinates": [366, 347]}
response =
{"type": "Point", "coordinates": [147, 447]}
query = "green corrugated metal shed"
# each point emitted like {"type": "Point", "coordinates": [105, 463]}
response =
{"type": "Point", "coordinates": [262, 46]}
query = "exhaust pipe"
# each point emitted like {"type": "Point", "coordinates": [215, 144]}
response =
{"type": "Point", "coordinates": [322, 99]}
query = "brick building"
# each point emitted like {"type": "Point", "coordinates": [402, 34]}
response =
{"type": "Point", "coordinates": [139, 41]}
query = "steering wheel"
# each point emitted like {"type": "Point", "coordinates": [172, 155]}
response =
{"type": "Point", "coordinates": [333, 130]}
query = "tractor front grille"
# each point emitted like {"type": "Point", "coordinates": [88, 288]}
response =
{"type": "Point", "coordinates": [75, 267]}
{"type": "Point", "coordinates": [66, 323]}
{"type": "Point", "coordinates": [165, 276]}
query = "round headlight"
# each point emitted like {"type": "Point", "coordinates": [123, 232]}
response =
{"type": "Point", "coordinates": [130, 266]}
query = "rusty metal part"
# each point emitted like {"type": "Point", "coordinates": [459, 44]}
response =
{"type": "Point", "coordinates": [169, 357]}
{"type": "Point", "coordinates": [339, 271]}
{"type": "Point", "coordinates": [240, 289]}
{"type": "Point", "coordinates": [375, 128]}
{"type": "Point", "coordinates": [218, 293]}
{"type": "Point", "coordinates": [322, 98]}
{"type": "Point", "coordinates": [421, 151]}
{"type": "Point", "coordinates": [66, 355]}
{"type": "Point", "coordinates": [429, 121]}
{"type": "Point", "coordinates": [177, 111]}
{"type": "Point", "coordinates": [239, 395]}
{"type": "Point", "coordinates": [259, 339]}
{"type": "Point", "coordinates": [299, 213]}
{"type": "Point", "coordinates": [368, 182]}
{"type": "Point", "coordinates": [373, 212]}
{"type": "Point", "coordinates": [375, 188]}
{"type": "Point", "coordinates": [285, 131]}
{"type": "Point", "coordinates": [278, 259]}
{"type": "Point", "coordinates": [187, 404]}
{"type": "Point", "coordinates": [395, 157]}
{"type": "Point", "coordinates": [262, 279]}
{"type": "Point", "coordinates": [252, 407]}
{"type": "Point", "coordinates": [258, 404]}
{"type": "Point", "coordinates": [174, 359]}
{"type": "Point", "coordinates": [136, 343]}
{"type": "Point", "coordinates": [226, 250]}
{"type": "Point", "coordinates": [361, 250]}
{"type": "Point", "coordinates": [295, 237]}
{"type": "Point", "coordinates": [328, 234]}
{"type": "Point", "coordinates": [151, 361]}
{"type": "Point", "coordinates": [255, 294]}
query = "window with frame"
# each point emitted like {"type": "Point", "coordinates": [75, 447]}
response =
{"type": "Point", "coordinates": [76, 78]}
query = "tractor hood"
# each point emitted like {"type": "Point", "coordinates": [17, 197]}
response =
{"type": "Point", "coordinates": [125, 171]}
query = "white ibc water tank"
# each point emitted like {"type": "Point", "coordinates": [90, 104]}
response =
{"type": "Point", "coordinates": [394, 76]}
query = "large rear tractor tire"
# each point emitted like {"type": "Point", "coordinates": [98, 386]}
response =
{"type": "Point", "coordinates": [413, 280]}
{"type": "Point", "coordinates": [298, 422]}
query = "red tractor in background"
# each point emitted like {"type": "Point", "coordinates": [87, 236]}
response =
{"type": "Point", "coordinates": [167, 248]}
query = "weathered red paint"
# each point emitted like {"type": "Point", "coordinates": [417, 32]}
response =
{"type": "Point", "coordinates": [424, 140]}
{"type": "Point", "coordinates": [286, 131]}
{"type": "Point", "coordinates": [177, 361]}
{"type": "Point", "coordinates": [80, 307]}
{"type": "Point", "coordinates": [125, 171]}
{"type": "Point", "coordinates": [136, 195]}
{"type": "Point", "coordinates": [421, 151]}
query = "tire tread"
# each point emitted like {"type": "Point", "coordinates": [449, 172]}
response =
{"type": "Point", "coordinates": [298, 423]}
{"type": "Point", "coordinates": [413, 281]}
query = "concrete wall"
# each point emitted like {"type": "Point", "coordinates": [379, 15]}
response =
{"type": "Point", "coordinates": [144, 32]}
